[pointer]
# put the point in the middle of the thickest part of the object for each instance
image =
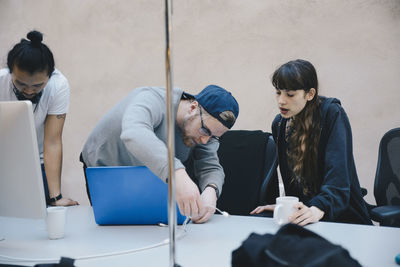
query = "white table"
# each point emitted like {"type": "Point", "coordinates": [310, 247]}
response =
{"type": "Point", "coordinates": [209, 244]}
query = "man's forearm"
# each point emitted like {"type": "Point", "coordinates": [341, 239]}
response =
{"type": "Point", "coordinates": [52, 156]}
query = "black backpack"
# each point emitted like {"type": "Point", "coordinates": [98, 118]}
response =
{"type": "Point", "coordinates": [292, 245]}
{"type": "Point", "coordinates": [64, 262]}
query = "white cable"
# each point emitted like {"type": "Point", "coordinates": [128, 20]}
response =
{"type": "Point", "coordinates": [110, 254]}
{"type": "Point", "coordinates": [223, 213]}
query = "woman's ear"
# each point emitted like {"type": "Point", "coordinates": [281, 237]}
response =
{"type": "Point", "coordinates": [310, 95]}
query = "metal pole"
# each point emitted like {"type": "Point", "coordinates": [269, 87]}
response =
{"type": "Point", "coordinates": [170, 135]}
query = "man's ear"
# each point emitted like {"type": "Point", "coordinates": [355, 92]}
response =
{"type": "Point", "coordinates": [193, 106]}
{"type": "Point", "coordinates": [310, 95]}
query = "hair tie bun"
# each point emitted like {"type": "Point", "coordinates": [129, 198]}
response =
{"type": "Point", "coordinates": [35, 37]}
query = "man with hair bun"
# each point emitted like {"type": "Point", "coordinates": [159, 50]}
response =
{"type": "Point", "coordinates": [134, 133]}
{"type": "Point", "coordinates": [30, 75]}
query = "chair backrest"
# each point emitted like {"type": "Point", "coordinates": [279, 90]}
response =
{"type": "Point", "coordinates": [387, 178]}
{"type": "Point", "coordinates": [249, 159]}
{"type": "Point", "coordinates": [270, 187]}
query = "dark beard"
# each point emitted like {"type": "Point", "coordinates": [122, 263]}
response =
{"type": "Point", "coordinates": [187, 140]}
{"type": "Point", "coordinates": [20, 96]}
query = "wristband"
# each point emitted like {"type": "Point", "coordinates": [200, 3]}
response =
{"type": "Point", "coordinates": [54, 199]}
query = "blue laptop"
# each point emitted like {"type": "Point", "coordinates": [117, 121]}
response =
{"type": "Point", "coordinates": [128, 195]}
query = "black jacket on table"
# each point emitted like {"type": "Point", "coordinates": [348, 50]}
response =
{"type": "Point", "coordinates": [340, 193]}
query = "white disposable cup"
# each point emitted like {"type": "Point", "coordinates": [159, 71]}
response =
{"type": "Point", "coordinates": [55, 222]}
{"type": "Point", "coordinates": [284, 208]}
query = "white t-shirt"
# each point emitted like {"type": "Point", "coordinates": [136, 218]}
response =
{"type": "Point", "coordinates": [54, 100]}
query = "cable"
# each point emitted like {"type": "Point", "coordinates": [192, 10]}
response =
{"type": "Point", "coordinates": [223, 213]}
{"type": "Point", "coordinates": [110, 254]}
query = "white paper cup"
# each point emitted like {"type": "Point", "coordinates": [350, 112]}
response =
{"type": "Point", "coordinates": [55, 222]}
{"type": "Point", "coordinates": [284, 208]}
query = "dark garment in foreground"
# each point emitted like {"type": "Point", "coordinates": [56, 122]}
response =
{"type": "Point", "coordinates": [64, 262]}
{"type": "Point", "coordinates": [340, 193]}
{"type": "Point", "coordinates": [292, 245]}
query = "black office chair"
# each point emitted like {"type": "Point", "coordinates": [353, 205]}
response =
{"type": "Point", "coordinates": [387, 181]}
{"type": "Point", "coordinates": [249, 159]}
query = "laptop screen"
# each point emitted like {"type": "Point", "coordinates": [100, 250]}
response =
{"type": "Point", "coordinates": [21, 183]}
{"type": "Point", "coordinates": [128, 195]}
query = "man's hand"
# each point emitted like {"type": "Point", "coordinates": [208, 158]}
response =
{"type": "Point", "coordinates": [306, 215]}
{"type": "Point", "coordinates": [209, 200]}
{"type": "Point", "coordinates": [65, 202]}
{"type": "Point", "coordinates": [187, 194]}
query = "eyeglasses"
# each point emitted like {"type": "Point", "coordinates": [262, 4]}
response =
{"type": "Point", "coordinates": [36, 88]}
{"type": "Point", "coordinates": [203, 130]}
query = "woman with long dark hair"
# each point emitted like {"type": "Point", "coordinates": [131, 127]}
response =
{"type": "Point", "coordinates": [314, 140]}
{"type": "Point", "coordinates": [31, 76]}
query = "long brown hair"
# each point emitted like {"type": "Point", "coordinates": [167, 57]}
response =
{"type": "Point", "coordinates": [305, 132]}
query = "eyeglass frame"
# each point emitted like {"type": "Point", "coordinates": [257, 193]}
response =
{"type": "Point", "coordinates": [203, 130]}
{"type": "Point", "coordinates": [36, 89]}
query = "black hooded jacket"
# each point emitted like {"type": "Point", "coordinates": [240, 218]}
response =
{"type": "Point", "coordinates": [339, 195]}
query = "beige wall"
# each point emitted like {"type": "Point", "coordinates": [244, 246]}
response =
{"type": "Point", "coordinates": [106, 49]}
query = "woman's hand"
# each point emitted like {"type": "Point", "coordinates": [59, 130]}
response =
{"type": "Point", "coordinates": [260, 209]}
{"type": "Point", "coordinates": [306, 215]}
